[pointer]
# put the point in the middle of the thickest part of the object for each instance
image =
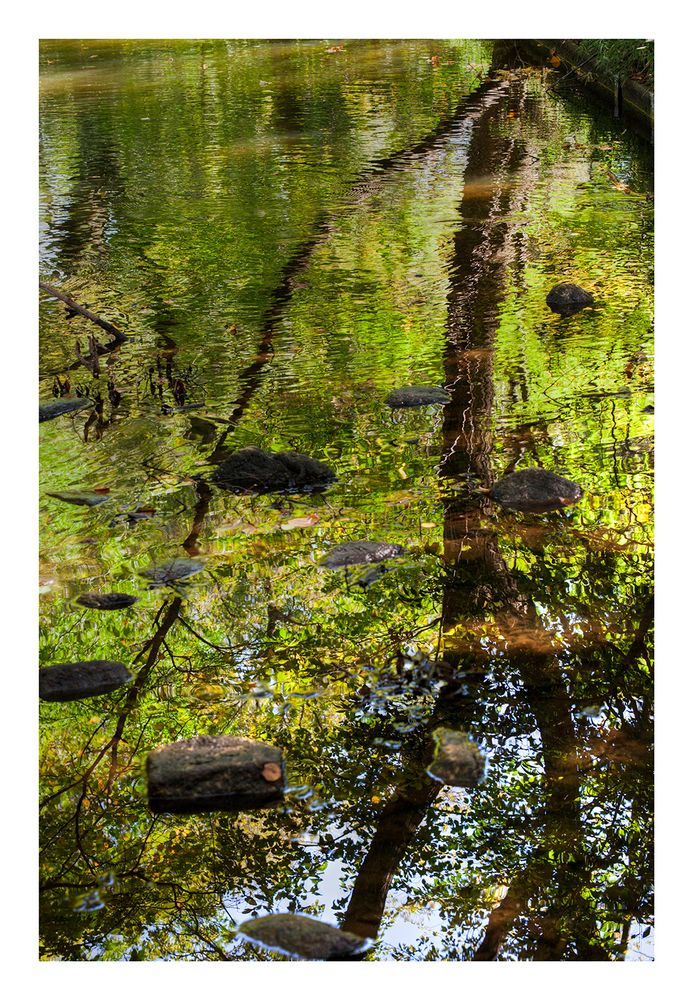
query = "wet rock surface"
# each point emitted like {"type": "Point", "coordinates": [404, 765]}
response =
{"type": "Point", "coordinates": [80, 499]}
{"type": "Point", "coordinates": [172, 571]}
{"type": "Point", "coordinates": [535, 490]}
{"type": "Point", "coordinates": [303, 937]}
{"type": "Point", "coordinates": [566, 299]}
{"type": "Point", "coordinates": [71, 681]}
{"type": "Point", "coordinates": [252, 470]}
{"type": "Point", "coordinates": [56, 407]}
{"type": "Point", "coordinates": [208, 773]}
{"type": "Point", "coordinates": [359, 552]}
{"type": "Point", "coordinates": [457, 761]}
{"type": "Point", "coordinates": [106, 602]}
{"type": "Point", "coordinates": [417, 395]}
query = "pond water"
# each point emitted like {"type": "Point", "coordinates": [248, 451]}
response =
{"type": "Point", "coordinates": [287, 231]}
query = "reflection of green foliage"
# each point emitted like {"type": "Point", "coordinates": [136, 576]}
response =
{"type": "Point", "coordinates": [621, 57]}
{"type": "Point", "coordinates": [267, 643]}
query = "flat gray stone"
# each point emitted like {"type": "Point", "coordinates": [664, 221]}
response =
{"type": "Point", "coordinates": [252, 470]}
{"type": "Point", "coordinates": [80, 499]}
{"type": "Point", "coordinates": [302, 937]}
{"type": "Point", "coordinates": [56, 407]}
{"type": "Point", "coordinates": [106, 602]}
{"type": "Point", "coordinates": [208, 773]}
{"type": "Point", "coordinates": [535, 490]}
{"type": "Point", "coordinates": [71, 681]}
{"type": "Point", "coordinates": [417, 395]}
{"type": "Point", "coordinates": [568, 299]}
{"type": "Point", "coordinates": [169, 572]}
{"type": "Point", "coordinates": [359, 552]}
{"type": "Point", "coordinates": [458, 761]}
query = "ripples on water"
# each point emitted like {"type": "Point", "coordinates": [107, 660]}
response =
{"type": "Point", "coordinates": [241, 210]}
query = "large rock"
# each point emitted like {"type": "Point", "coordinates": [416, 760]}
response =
{"type": "Point", "coordinates": [359, 552]}
{"type": "Point", "coordinates": [458, 761]}
{"type": "Point", "coordinates": [56, 407]}
{"type": "Point", "coordinates": [207, 773]}
{"type": "Point", "coordinates": [417, 395]}
{"type": "Point", "coordinates": [568, 299]}
{"type": "Point", "coordinates": [70, 681]}
{"type": "Point", "coordinates": [252, 470]}
{"type": "Point", "coordinates": [303, 937]}
{"type": "Point", "coordinates": [106, 602]}
{"type": "Point", "coordinates": [535, 490]}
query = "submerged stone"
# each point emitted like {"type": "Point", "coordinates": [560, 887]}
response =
{"type": "Point", "coordinates": [171, 571]}
{"type": "Point", "coordinates": [207, 773]}
{"type": "Point", "coordinates": [356, 553]}
{"type": "Point", "coordinates": [56, 408]}
{"type": "Point", "coordinates": [567, 299]}
{"type": "Point", "coordinates": [458, 761]}
{"type": "Point", "coordinates": [81, 499]}
{"type": "Point", "coordinates": [535, 490]}
{"type": "Point", "coordinates": [417, 395]}
{"type": "Point", "coordinates": [303, 937]}
{"type": "Point", "coordinates": [70, 681]}
{"type": "Point", "coordinates": [252, 470]}
{"type": "Point", "coordinates": [106, 602]}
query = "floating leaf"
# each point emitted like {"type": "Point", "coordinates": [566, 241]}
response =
{"type": "Point", "coordinates": [300, 522]}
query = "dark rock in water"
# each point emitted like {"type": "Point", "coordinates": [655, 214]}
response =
{"type": "Point", "coordinates": [106, 602]}
{"type": "Point", "coordinates": [56, 408]}
{"type": "Point", "coordinates": [172, 571]}
{"type": "Point", "coordinates": [458, 761]}
{"type": "Point", "coordinates": [252, 470]}
{"type": "Point", "coordinates": [303, 937]}
{"type": "Point", "coordinates": [214, 772]}
{"type": "Point", "coordinates": [417, 395]}
{"type": "Point", "coordinates": [356, 553]}
{"type": "Point", "coordinates": [567, 299]}
{"type": "Point", "coordinates": [535, 490]}
{"type": "Point", "coordinates": [70, 681]}
{"type": "Point", "coordinates": [81, 499]}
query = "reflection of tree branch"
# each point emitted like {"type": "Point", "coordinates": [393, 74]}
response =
{"type": "Point", "coordinates": [207, 642]}
{"type": "Point", "coordinates": [153, 646]}
{"type": "Point", "coordinates": [471, 106]}
{"type": "Point", "coordinates": [204, 496]}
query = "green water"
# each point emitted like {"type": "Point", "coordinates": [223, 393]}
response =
{"type": "Point", "coordinates": [285, 234]}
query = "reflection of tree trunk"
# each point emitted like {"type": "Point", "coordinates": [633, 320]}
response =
{"type": "Point", "coordinates": [472, 107]}
{"type": "Point", "coordinates": [474, 296]}
{"type": "Point", "coordinates": [398, 823]}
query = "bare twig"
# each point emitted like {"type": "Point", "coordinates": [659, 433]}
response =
{"type": "Point", "coordinates": [76, 307]}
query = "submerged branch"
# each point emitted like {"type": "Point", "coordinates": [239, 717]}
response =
{"type": "Point", "coordinates": [87, 313]}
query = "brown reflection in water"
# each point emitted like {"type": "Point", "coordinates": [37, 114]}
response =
{"type": "Point", "coordinates": [483, 595]}
{"type": "Point", "coordinates": [477, 280]}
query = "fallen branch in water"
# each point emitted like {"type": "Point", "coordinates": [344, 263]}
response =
{"type": "Point", "coordinates": [75, 307]}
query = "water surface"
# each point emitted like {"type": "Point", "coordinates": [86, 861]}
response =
{"type": "Point", "coordinates": [286, 233]}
